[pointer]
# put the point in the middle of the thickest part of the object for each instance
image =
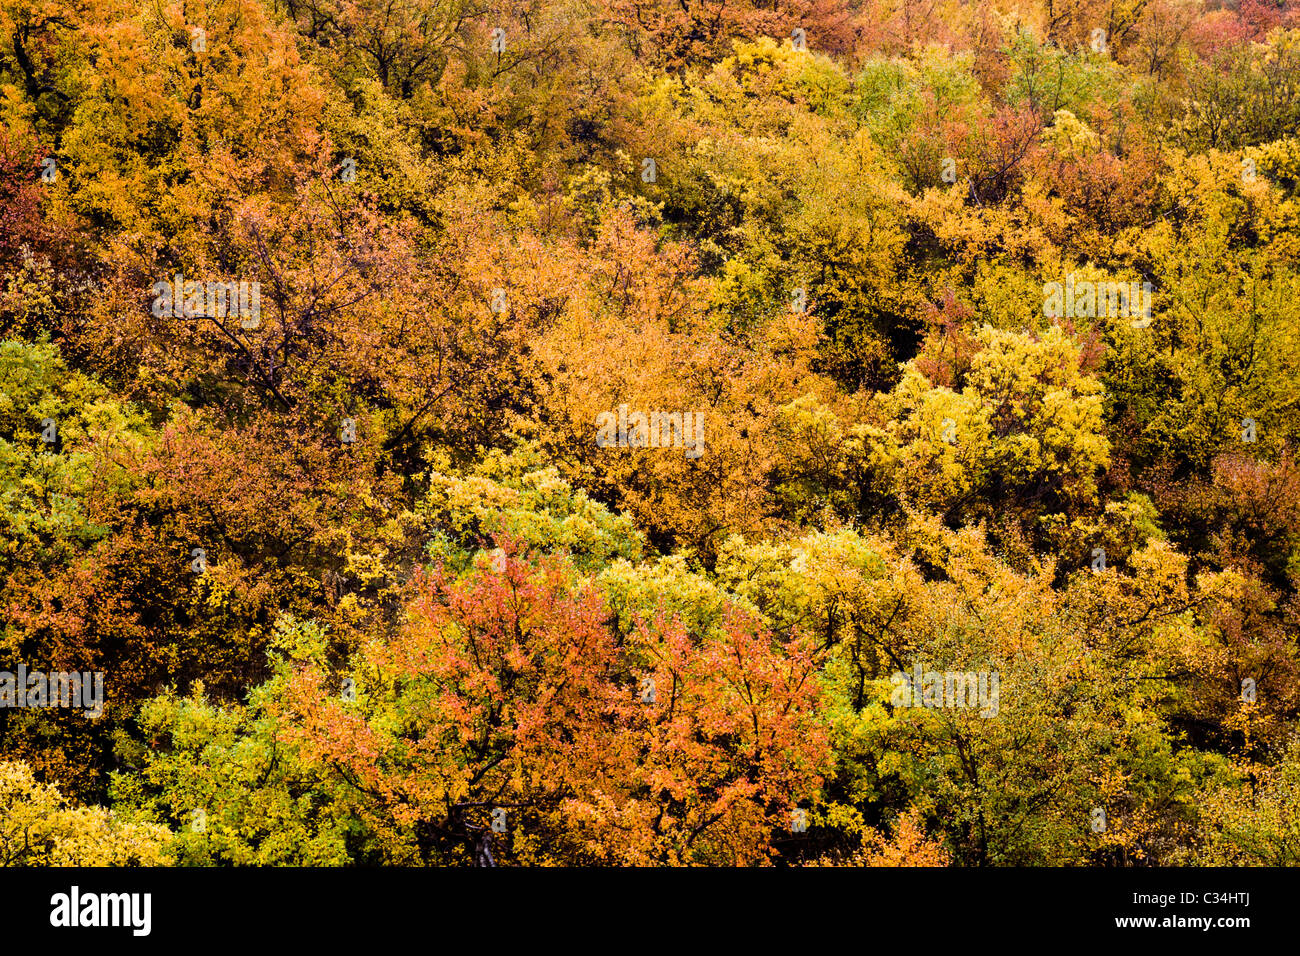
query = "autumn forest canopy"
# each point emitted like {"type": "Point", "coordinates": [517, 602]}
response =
{"type": "Point", "coordinates": [649, 432]}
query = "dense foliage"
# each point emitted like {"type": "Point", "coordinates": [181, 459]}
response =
{"type": "Point", "coordinates": [367, 582]}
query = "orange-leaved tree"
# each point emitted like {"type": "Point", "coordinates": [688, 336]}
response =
{"type": "Point", "coordinates": [511, 721]}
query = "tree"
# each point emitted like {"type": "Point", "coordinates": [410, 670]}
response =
{"type": "Point", "coordinates": [1252, 822]}
{"type": "Point", "coordinates": [510, 698]}
{"type": "Point", "coordinates": [38, 827]}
